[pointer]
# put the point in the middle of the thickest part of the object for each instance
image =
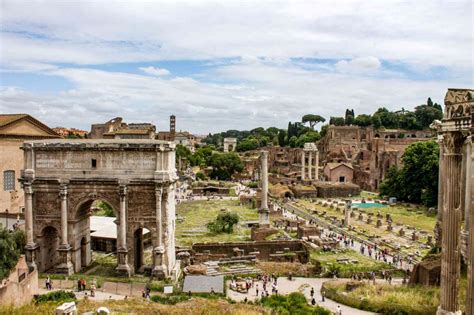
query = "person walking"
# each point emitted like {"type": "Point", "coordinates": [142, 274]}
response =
{"type": "Point", "coordinates": [339, 310]}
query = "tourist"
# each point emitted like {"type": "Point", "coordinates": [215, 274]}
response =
{"type": "Point", "coordinates": [79, 285]}
{"type": "Point", "coordinates": [92, 290]}
{"type": "Point", "coordinates": [312, 292]}
{"type": "Point", "coordinates": [256, 290]}
{"type": "Point", "coordinates": [323, 295]}
{"type": "Point", "coordinates": [212, 291]}
{"type": "Point", "coordinates": [313, 301]}
{"type": "Point", "coordinates": [339, 311]}
{"type": "Point", "coordinates": [48, 283]}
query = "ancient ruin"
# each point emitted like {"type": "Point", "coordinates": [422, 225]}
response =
{"type": "Point", "coordinates": [61, 180]}
{"type": "Point", "coordinates": [454, 133]}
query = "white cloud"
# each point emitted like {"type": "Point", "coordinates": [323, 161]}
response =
{"type": "Point", "coordinates": [429, 32]}
{"type": "Point", "coordinates": [361, 64]}
{"type": "Point", "coordinates": [268, 95]}
{"type": "Point", "coordinates": [155, 71]}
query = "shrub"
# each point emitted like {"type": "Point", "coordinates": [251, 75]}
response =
{"type": "Point", "coordinates": [224, 223]}
{"type": "Point", "coordinates": [169, 299]}
{"type": "Point", "coordinates": [56, 296]}
{"type": "Point", "coordinates": [294, 304]}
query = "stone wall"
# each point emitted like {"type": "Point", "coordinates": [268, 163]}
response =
{"type": "Point", "coordinates": [11, 158]}
{"type": "Point", "coordinates": [337, 190]}
{"type": "Point", "coordinates": [20, 286]}
{"type": "Point", "coordinates": [263, 250]}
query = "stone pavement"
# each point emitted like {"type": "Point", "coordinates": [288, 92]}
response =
{"type": "Point", "coordinates": [302, 285]}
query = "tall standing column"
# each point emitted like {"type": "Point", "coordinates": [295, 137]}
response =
{"type": "Point", "coordinates": [63, 195]}
{"type": "Point", "coordinates": [264, 212]}
{"type": "Point", "coordinates": [30, 243]}
{"type": "Point", "coordinates": [65, 266]}
{"type": "Point", "coordinates": [347, 212]}
{"type": "Point", "coordinates": [439, 219]}
{"type": "Point", "coordinates": [451, 224]}
{"type": "Point", "coordinates": [122, 250]}
{"type": "Point", "coordinates": [467, 165]}
{"type": "Point", "coordinates": [310, 165]}
{"type": "Point", "coordinates": [29, 214]}
{"type": "Point", "coordinates": [316, 166]}
{"type": "Point", "coordinates": [159, 250]}
{"type": "Point", "coordinates": [470, 235]}
{"type": "Point", "coordinates": [303, 168]}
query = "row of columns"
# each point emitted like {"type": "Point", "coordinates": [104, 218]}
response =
{"type": "Point", "coordinates": [309, 171]}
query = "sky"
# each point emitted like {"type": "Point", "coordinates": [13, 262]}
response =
{"type": "Point", "coordinates": [220, 65]}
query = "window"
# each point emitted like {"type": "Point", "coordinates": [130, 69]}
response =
{"type": "Point", "coordinates": [94, 163]}
{"type": "Point", "coordinates": [8, 180]}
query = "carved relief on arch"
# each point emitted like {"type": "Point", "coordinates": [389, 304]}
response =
{"type": "Point", "coordinates": [46, 203]}
{"type": "Point", "coordinates": [453, 142]}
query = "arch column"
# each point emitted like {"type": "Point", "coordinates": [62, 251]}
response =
{"type": "Point", "coordinates": [31, 246]}
{"type": "Point", "coordinates": [159, 268]}
{"type": "Point", "coordinates": [122, 249]}
{"type": "Point", "coordinates": [64, 249]}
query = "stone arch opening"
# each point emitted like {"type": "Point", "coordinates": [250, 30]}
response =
{"type": "Point", "coordinates": [49, 248]}
{"type": "Point", "coordinates": [142, 249]}
{"type": "Point", "coordinates": [96, 230]}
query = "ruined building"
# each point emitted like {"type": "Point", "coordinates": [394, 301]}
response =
{"type": "Point", "coordinates": [368, 151]}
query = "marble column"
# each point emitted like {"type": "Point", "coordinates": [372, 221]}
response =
{"type": "Point", "coordinates": [347, 212]}
{"type": "Point", "coordinates": [439, 219]}
{"type": "Point", "coordinates": [29, 214]}
{"type": "Point", "coordinates": [451, 224]}
{"type": "Point", "coordinates": [316, 166]}
{"type": "Point", "coordinates": [65, 266]}
{"type": "Point", "coordinates": [467, 165]}
{"type": "Point", "coordinates": [303, 168]}
{"type": "Point", "coordinates": [158, 265]}
{"type": "Point", "coordinates": [469, 228]}
{"type": "Point", "coordinates": [63, 195]}
{"type": "Point", "coordinates": [264, 212]}
{"type": "Point", "coordinates": [310, 165]}
{"type": "Point", "coordinates": [122, 250]}
{"type": "Point", "coordinates": [30, 243]}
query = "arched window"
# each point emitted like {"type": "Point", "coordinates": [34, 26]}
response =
{"type": "Point", "coordinates": [8, 180]}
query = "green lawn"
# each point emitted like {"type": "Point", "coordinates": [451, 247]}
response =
{"type": "Point", "coordinates": [197, 214]}
{"type": "Point", "coordinates": [328, 261]}
{"type": "Point", "coordinates": [390, 299]}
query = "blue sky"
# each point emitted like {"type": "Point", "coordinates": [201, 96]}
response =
{"type": "Point", "coordinates": [228, 65]}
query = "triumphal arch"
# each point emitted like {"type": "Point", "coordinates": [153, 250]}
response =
{"type": "Point", "coordinates": [62, 178]}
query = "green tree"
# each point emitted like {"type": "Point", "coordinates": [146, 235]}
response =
{"type": "Point", "coordinates": [247, 144]}
{"type": "Point", "coordinates": [417, 180]}
{"type": "Point", "coordinates": [426, 114]}
{"type": "Point", "coordinates": [11, 247]}
{"type": "Point", "coordinates": [312, 119]}
{"type": "Point", "coordinates": [224, 223]}
{"type": "Point", "coordinates": [293, 142]}
{"type": "Point", "coordinates": [225, 165]}
{"type": "Point", "coordinates": [363, 120]}
{"type": "Point", "coordinates": [282, 138]}
{"type": "Point", "coordinates": [337, 121]}
{"type": "Point", "coordinates": [311, 136]}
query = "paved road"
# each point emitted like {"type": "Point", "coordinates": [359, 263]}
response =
{"type": "Point", "coordinates": [302, 285]}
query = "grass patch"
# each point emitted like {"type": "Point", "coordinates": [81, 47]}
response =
{"type": "Point", "coordinates": [293, 303]}
{"type": "Point", "coordinates": [389, 299]}
{"type": "Point", "coordinates": [197, 214]}
{"type": "Point", "coordinates": [56, 296]}
{"type": "Point", "coordinates": [329, 263]}
{"type": "Point", "coordinates": [195, 305]}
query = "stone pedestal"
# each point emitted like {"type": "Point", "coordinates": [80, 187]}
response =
{"type": "Point", "coordinates": [30, 255]}
{"type": "Point", "coordinates": [379, 223]}
{"type": "Point", "coordinates": [260, 233]}
{"type": "Point", "coordinates": [123, 268]}
{"type": "Point", "coordinates": [401, 232]}
{"type": "Point", "coordinates": [65, 266]}
{"type": "Point", "coordinates": [389, 227]}
{"type": "Point", "coordinates": [361, 217]}
{"type": "Point", "coordinates": [159, 268]}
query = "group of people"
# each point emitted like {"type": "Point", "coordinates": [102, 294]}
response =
{"type": "Point", "coordinates": [82, 286]}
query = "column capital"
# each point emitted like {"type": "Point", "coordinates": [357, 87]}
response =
{"type": "Point", "coordinates": [123, 191]}
{"type": "Point", "coordinates": [27, 188]}
{"type": "Point", "coordinates": [63, 191]}
{"type": "Point", "coordinates": [453, 142]}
